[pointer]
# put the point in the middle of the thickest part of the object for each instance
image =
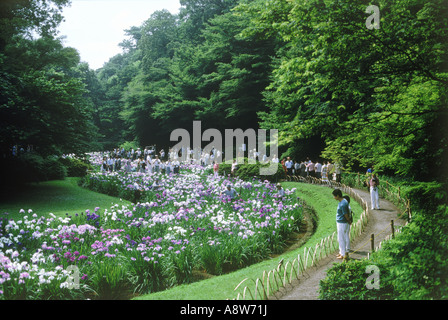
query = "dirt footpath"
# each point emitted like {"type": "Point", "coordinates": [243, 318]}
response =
{"type": "Point", "coordinates": [379, 224]}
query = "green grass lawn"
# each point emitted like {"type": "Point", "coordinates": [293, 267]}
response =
{"type": "Point", "coordinates": [58, 197]}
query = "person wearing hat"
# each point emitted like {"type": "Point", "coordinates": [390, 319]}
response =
{"type": "Point", "coordinates": [230, 192]}
{"type": "Point", "coordinates": [281, 191]}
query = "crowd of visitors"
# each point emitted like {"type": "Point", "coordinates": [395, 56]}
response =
{"type": "Point", "coordinates": [151, 161]}
{"type": "Point", "coordinates": [16, 150]}
{"type": "Point", "coordinates": [324, 170]}
{"type": "Point", "coordinates": [147, 161]}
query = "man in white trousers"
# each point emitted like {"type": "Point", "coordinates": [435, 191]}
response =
{"type": "Point", "coordinates": [343, 223]}
{"type": "Point", "coordinates": [374, 195]}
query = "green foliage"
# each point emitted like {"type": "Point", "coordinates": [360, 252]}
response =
{"type": "Point", "coordinates": [373, 96]}
{"type": "Point", "coordinates": [426, 196]}
{"type": "Point", "coordinates": [24, 17]}
{"type": "Point", "coordinates": [110, 280]}
{"type": "Point", "coordinates": [75, 167]}
{"type": "Point", "coordinates": [177, 69]}
{"type": "Point", "coordinates": [128, 145]}
{"type": "Point", "coordinates": [32, 167]}
{"type": "Point", "coordinates": [53, 169]}
{"type": "Point", "coordinates": [311, 69]}
{"type": "Point", "coordinates": [417, 257]}
{"type": "Point", "coordinates": [347, 281]}
{"type": "Point", "coordinates": [247, 170]}
{"type": "Point", "coordinates": [43, 99]}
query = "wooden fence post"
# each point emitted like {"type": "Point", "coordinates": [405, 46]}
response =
{"type": "Point", "coordinates": [392, 228]}
{"type": "Point", "coordinates": [408, 209]}
{"type": "Point", "coordinates": [372, 242]}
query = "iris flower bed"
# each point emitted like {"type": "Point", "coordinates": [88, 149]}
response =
{"type": "Point", "coordinates": [182, 226]}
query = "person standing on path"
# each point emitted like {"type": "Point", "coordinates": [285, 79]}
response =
{"type": "Point", "coordinates": [288, 165]}
{"type": "Point", "coordinates": [374, 194]}
{"type": "Point", "coordinates": [342, 221]}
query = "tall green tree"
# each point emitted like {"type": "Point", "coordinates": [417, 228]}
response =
{"type": "Point", "coordinates": [196, 13]}
{"type": "Point", "coordinates": [150, 85]}
{"type": "Point", "coordinates": [42, 101]}
{"type": "Point", "coordinates": [373, 96]}
{"type": "Point", "coordinates": [216, 76]}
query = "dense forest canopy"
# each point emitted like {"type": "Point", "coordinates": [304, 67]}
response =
{"type": "Point", "coordinates": [312, 69]}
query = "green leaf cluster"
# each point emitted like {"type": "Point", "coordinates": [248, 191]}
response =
{"type": "Point", "coordinates": [43, 101]}
{"type": "Point", "coordinates": [373, 97]}
{"type": "Point", "coordinates": [179, 68]}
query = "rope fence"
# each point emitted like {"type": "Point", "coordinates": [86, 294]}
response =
{"type": "Point", "coordinates": [286, 272]}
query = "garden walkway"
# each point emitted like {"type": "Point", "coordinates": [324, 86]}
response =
{"type": "Point", "coordinates": [379, 224]}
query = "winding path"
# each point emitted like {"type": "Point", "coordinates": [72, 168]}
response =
{"type": "Point", "coordinates": [379, 224]}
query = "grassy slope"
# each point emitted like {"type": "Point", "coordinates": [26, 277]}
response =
{"type": "Point", "coordinates": [222, 287]}
{"type": "Point", "coordinates": [58, 197]}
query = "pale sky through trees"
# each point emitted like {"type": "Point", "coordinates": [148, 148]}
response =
{"type": "Point", "coordinates": [96, 27]}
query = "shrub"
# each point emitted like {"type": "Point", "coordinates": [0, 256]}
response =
{"type": "Point", "coordinates": [417, 257]}
{"type": "Point", "coordinates": [348, 281]}
{"type": "Point", "coordinates": [426, 196]}
{"type": "Point", "coordinates": [248, 171]}
{"type": "Point", "coordinates": [52, 169]}
{"type": "Point", "coordinates": [128, 145]}
{"type": "Point", "coordinates": [32, 167]}
{"type": "Point", "coordinates": [75, 167]}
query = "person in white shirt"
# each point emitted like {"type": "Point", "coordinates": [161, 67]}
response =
{"type": "Point", "coordinates": [318, 170]}
{"type": "Point", "coordinates": [337, 171]}
{"type": "Point", "coordinates": [374, 182]}
{"type": "Point", "coordinates": [149, 165]}
{"type": "Point", "coordinates": [110, 163]}
{"type": "Point", "coordinates": [230, 192]}
{"type": "Point", "coordinates": [234, 166]}
{"type": "Point", "coordinates": [156, 185]}
{"type": "Point", "coordinates": [281, 191]}
{"type": "Point", "coordinates": [324, 172]}
{"type": "Point", "coordinates": [156, 165]}
{"type": "Point", "coordinates": [288, 165]}
{"type": "Point", "coordinates": [168, 167]}
{"type": "Point", "coordinates": [297, 168]}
